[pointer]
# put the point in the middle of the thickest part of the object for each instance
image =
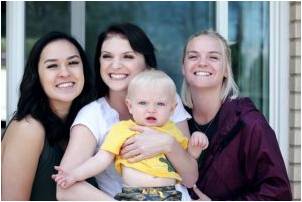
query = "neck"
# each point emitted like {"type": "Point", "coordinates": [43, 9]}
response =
{"type": "Point", "coordinates": [61, 109]}
{"type": "Point", "coordinates": [206, 104]}
{"type": "Point", "coordinates": [117, 101]}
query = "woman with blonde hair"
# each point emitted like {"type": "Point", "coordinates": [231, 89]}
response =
{"type": "Point", "coordinates": [243, 160]}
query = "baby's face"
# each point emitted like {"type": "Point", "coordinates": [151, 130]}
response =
{"type": "Point", "coordinates": [151, 107]}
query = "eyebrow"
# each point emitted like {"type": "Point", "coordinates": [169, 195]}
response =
{"type": "Point", "coordinates": [54, 60]}
{"type": "Point", "coordinates": [211, 52]}
{"type": "Point", "coordinates": [122, 53]}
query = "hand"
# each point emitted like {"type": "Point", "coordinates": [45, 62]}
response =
{"type": "Point", "coordinates": [201, 196]}
{"type": "Point", "coordinates": [146, 144]}
{"type": "Point", "coordinates": [63, 178]}
{"type": "Point", "coordinates": [197, 143]}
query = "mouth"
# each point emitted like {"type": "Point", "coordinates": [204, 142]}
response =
{"type": "Point", "coordinates": [202, 73]}
{"type": "Point", "coordinates": [116, 76]}
{"type": "Point", "coordinates": [65, 84]}
{"type": "Point", "coordinates": [151, 119]}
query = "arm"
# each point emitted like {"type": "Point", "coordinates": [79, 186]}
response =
{"type": "Point", "coordinates": [263, 165]}
{"type": "Point", "coordinates": [81, 147]}
{"type": "Point", "coordinates": [145, 145]}
{"type": "Point", "coordinates": [94, 165]}
{"type": "Point", "coordinates": [21, 149]}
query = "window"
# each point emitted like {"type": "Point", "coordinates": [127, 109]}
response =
{"type": "Point", "coordinates": [168, 25]}
{"type": "Point", "coordinates": [249, 39]}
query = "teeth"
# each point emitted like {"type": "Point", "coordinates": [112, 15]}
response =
{"type": "Point", "coordinates": [202, 73]}
{"type": "Point", "coordinates": [65, 85]}
{"type": "Point", "coordinates": [118, 76]}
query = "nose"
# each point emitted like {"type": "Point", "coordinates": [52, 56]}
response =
{"type": "Point", "coordinates": [116, 63]}
{"type": "Point", "coordinates": [203, 61]}
{"type": "Point", "coordinates": [64, 71]}
{"type": "Point", "coordinates": [151, 108]}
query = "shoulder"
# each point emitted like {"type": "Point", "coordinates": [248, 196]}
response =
{"type": "Point", "coordinates": [254, 122]}
{"type": "Point", "coordinates": [24, 132]}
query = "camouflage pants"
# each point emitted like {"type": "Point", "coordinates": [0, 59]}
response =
{"type": "Point", "coordinates": [167, 193]}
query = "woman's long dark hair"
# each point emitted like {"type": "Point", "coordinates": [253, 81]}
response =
{"type": "Point", "coordinates": [33, 100]}
{"type": "Point", "coordinates": [139, 42]}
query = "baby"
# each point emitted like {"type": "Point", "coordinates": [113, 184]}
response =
{"type": "Point", "coordinates": [151, 100]}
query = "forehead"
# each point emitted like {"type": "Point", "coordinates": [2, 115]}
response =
{"type": "Point", "coordinates": [204, 43]}
{"type": "Point", "coordinates": [141, 92]}
{"type": "Point", "coordinates": [116, 43]}
{"type": "Point", "coordinates": [59, 49]}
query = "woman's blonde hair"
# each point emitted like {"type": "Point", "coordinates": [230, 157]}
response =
{"type": "Point", "coordinates": [229, 87]}
{"type": "Point", "coordinates": [152, 79]}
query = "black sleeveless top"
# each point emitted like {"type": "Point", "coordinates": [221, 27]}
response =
{"type": "Point", "coordinates": [44, 188]}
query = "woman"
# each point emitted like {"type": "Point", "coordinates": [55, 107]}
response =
{"type": "Point", "coordinates": [122, 51]}
{"type": "Point", "coordinates": [54, 87]}
{"type": "Point", "coordinates": [243, 160]}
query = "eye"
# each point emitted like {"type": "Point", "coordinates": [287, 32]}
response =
{"type": "Point", "coordinates": [128, 56]}
{"type": "Point", "coordinates": [161, 104]}
{"type": "Point", "coordinates": [50, 66]}
{"type": "Point", "coordinates": [142, 102]}
{"type": "Point", "coordinates": [214, 57]}
{"type": "Point", "coordinates": [105, 56]}
{"type": "Point", "coordinates": [73, 62]}
{"type": "Point", "coordinates": [192, 57]}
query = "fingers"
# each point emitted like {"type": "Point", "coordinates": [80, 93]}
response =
{"type": "Point", "coordinates": [139, 129]}
{"type": "Point", "coordinates": [130, 153]}
{"type": "Point", "coordinates": [136, 158]}
{"type": "Point", "coordinates": [127, 143]}
{"type": "Point", "coordinates": [201, 196]}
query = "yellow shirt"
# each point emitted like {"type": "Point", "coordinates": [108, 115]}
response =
{"type": "Point", "coordinates": [158, 165]}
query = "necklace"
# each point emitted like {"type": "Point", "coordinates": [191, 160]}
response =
{"type": "Point", "coordinates": [204, 128]}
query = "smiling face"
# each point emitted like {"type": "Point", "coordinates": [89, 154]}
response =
{"type": "Point", "coordinates": [153, 108]}
{"type": "Point", "coordinates": [60, 71]}
{"type": "Point", "coordinates": [119, 62]}
{"type": "Point", "coordinates": [204, 63]}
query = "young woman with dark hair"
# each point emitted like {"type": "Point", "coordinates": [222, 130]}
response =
{"type": "Point", "coordinates": [56, 84]}
{"type": "Point", "coordinates": [122, 51]}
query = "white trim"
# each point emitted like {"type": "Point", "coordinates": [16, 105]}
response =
{"type": "Point", "coordinates": [78, 21]}
{"type": "Point", "coordinates": [279, 74]}
{"type": "Point", "coordinates": [15, 53]}
{"type": "Point", "coordinates": [222, 20]}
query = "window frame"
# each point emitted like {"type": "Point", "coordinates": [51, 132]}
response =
{"type": "Point", "coordinates": [278, 58]}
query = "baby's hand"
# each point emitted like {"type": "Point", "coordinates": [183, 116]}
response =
{"type": "Point", "coordinates": [63, 178]}
{"type": "Point", "coordinates": [197, 143]}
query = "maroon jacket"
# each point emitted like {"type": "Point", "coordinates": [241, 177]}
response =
{"type": "Point", "coordinates": [244, 161]}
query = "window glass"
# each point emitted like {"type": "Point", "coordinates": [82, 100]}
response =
{"type": "Point", "coordinates": [43, 17]}
{"type": "Point", "coordinates": [168, 25]}
{"type": "Point", "coordinates": [249, 39]}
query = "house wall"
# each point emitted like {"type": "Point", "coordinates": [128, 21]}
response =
{"type": "Point", "coordinates": [295, 100]}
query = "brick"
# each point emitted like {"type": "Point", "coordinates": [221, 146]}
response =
{"type": "Point", "coordinates": [295, 173]}
{"type": "Point", "coordinates": [295, 101]}
{"type": "Point", "coordinates": [295, 118]}
{"type": "Point", "coordinates": [296, 190]}
{"type": "Point", "coordinates": [295, 83]}
{"type": "Point", "coordinates": [294, 154]}
{"type": "Point", "coordinates": [295, 47]}
{"type": "Point", "coordinates": [295, 136]}
{"type": "Point", "coordinates": [295, 11]}
{"type": "Point", "coordinates": [295, 29]}
{"type": "Point", "coordinates": [295, 65]}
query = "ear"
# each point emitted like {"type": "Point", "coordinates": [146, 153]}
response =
{"type": "Point", "coordinates": [129, 105]}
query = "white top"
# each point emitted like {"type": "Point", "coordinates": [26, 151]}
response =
{"type": "Point", "coordinates": [98, 116]}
